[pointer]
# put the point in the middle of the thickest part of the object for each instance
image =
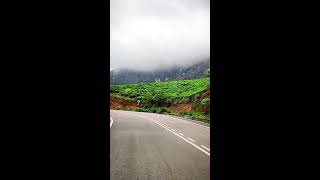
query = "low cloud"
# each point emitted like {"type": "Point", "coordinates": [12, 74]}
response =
{"type": "Point", "coordinates": [156, 34]}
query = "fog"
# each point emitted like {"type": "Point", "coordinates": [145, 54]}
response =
{"type": "Point", "coordinates": [157, 34]}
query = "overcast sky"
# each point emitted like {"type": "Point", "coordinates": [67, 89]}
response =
{"type": "Point", "coordinates": [151, 34]}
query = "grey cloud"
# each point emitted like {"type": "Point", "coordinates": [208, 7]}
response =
{"type": "Point", "coordinates": [151, 34]}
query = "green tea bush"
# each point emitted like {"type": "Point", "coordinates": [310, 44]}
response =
{"type": "Point", "coordinates": [162, 91]}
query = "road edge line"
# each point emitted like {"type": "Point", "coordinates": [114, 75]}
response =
{"type": "Point", "coordinates": [205, 147]}
{"type": "Point", "coordinates": [111, 121]}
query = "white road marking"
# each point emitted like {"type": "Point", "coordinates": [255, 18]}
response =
{"type": "Point", "coordinates": [205, 147]}
{"type": "Point", "coordinates": [191, 139]}
{"type": "Point", "coordinates": [111, 121]}
{"type": "Point", "coordinates": [181, 134]}
{"type": "Point", "coordinates": [167, 126]}
{"type": "Point", "coordinates": [164, 125]}
{"type": "Point", "coordinates": [187, 122]}
{"type": "Point", "coordinates": [178, 135]}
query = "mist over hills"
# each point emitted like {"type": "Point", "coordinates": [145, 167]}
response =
{"type": "Point", "coordinates": [149, 35]}
{"type": "Point", "coordinates": [126, 76]}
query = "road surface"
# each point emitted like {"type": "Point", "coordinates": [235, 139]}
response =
{"type": "Point", "coordinates": [155, 146]}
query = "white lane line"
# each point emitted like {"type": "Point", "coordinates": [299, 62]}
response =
{"type": "Point", "coordinates": [178, 136]}
{"type": "Point", "coordinates": [185, 121]}
{"type": "Point", "coordinates": [167, 116]}
{"type": "Point", "coordinates": [188, 122]}
{"type": "Point", "coordinates": [173, 130]}
{"type": "Point", "coordinates": [166, 126]}
{"type": "Point", "coordinates": [181, 134]}
{"type": "Point", "coordinates": [191, 140]}
{"type": "Point", "coordinates": [205, 147]}
{"type": "Point", "coordinates": [111, 121]}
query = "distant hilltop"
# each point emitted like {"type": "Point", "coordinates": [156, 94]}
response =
{"type": "Point", "coordinates": [125, 76]}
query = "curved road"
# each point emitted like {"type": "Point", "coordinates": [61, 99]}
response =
{"type": "Point", "coordinates": [155, 146]}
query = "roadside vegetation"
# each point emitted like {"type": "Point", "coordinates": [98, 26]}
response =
{"type": "Point", "coordinates": [189, 98]}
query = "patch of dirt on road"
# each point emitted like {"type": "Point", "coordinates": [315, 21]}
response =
{"type": "Point", "coordinates": [181, 108]}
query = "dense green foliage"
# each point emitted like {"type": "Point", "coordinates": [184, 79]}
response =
{"type": "Point", "coordinates": [162, 91]}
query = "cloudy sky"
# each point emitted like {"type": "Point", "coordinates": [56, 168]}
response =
{"type": "Point", "coordinates": [151, 34]}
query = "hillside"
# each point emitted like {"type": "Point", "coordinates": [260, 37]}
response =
{"type": "Point", "coordinates": [125, 76]}
{"type": "Point", "coordinates": [185, 97]}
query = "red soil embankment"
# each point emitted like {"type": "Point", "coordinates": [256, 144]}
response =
{"type": "Point", "coordinates": [181, 107]}
{"type": "Point", "coordinates": [114, 104]}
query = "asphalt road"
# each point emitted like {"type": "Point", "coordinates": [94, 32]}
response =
{"type": "Point", "coordinates": [154, 146]}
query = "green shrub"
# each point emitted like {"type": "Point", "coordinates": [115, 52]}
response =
{"type": "Point", "coordinates": [152, 110]}
{"type": "Point", "coordinates": [164, 110]}
{"type": "Point", "coordinates": [205, 101]}
{"type": "Point", "coordinates": [142, 109]}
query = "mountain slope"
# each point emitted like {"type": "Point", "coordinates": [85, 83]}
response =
{"type": "Point", "coordinates": [125, 76]}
